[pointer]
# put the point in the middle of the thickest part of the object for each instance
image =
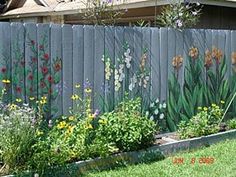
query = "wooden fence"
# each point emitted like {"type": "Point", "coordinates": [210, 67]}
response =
{"type": "Point", "coordinates": [30, 52]}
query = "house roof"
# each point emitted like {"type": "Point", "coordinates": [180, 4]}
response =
{"type": "Point", "coordinates": [29, 8]}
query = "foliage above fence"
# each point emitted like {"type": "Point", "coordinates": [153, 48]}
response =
{"type": "Point", "coordinates": [44, 61]}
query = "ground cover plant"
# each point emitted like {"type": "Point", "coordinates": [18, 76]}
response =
{"type": "Point", "coordinates": [221, 162]}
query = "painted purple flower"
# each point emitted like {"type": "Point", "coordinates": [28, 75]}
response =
{"type": "Point", "coordinates": [96, 113]}
{"type": "Point", "coordinates": [87, 84]}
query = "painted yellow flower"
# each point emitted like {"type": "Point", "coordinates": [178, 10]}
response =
{"type": "Point", "coordinates": [77, 86]}
{"type": "Point", "coordinates": [6, 81]}
{"type": "Point", "coordinates": [61, 125]}
{"type": "Point", "coordinates": [44, 98]}
{"type": "Point", "coordinates": [18, 100]}
{"type": "Point", "coordinates": [88, 90]}
{"type": "Point", "coordinates": [31, 98]}
{"type": "Point", "coordinates": [75, 97]}
{"type": "Point", "coordinates": [42, 102]}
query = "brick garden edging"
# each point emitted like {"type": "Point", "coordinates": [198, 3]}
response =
{"type": "Point", "coordinates": [155, 152]}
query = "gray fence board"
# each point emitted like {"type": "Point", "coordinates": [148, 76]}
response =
{"type": "Point", "coordinates": [31, 60]}
{"type": "Point", "coordinates": [67, 38]}
{"type": "Point", "coordinates": [78, 59]}
{"type": "Point", "coordinates": [179, 50]}
{"type": "Point", "coordinates": [155, 64]}
{"type": "Point", "coordinates": [137, 54]}
{"type": "Point", "coordinates": [163, 62]}
{"type": "Point", "coordinates": [56, 58]}
{"type": "Point", "coordinates": [5, 55]}
{"type": "Point", "coordinates": [109, 52]}
{"type": "Point", "coordinates": [99, 43]}
{"type": "Point", "coordinates": [233, 45]}
{"type": "Point", "coordinates": [18, 61]}
{"type": "Point", "coordinates": [227, 50]}
{"type": "Point", "coordinates": [146, 47]}
{"type": "Point", "coordinates": [119, 51]}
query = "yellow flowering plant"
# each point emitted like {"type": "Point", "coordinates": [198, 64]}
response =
{"type": "Point", "coordinates": [206, 121]}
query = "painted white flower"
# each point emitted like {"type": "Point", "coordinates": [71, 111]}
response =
{"type": "Point", "coordinates": [103, 58]}
{"type": "Point", "coordinates": [162, 116]}
{"type": "Point", "coordinates": [128, 65]}
{"type": "Point", "coordinates": [116, 74]}
{"type": "Point", "coordinates": [157, 100]}
{"type": "Point", "coordinates": [152, 105]}
{"type": "Point", "coordinates": [164, 105]}
{"type": "Point", "coordinates": [133, 82]}
{"type": "Point", "coordinates": [156, 111]}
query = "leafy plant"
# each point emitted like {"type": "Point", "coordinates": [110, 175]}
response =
{"type": "Point", "coordinates": [126, 127]}
{"type": "Point", "coordinates": [179, 15]}
{"type": "Point", "coordinates": [232, 124]}
{"type": "Point", "coordinates": [99, 12]}
{"type": "Point", "coordinates": [206, 122]}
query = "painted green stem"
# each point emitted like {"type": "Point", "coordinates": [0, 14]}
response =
{"type": "Point", "coordinates": [231, 101]}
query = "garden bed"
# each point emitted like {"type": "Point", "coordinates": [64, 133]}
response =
{"type": "Point", "coordinates": [169, 145]}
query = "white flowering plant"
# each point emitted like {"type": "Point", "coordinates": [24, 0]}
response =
{"type": "Point", "coordinates": [18, 127]}
{"type": "Point", "coordinates": [157, 112]}
{"type": "Point", "coordinates": [179, 15]}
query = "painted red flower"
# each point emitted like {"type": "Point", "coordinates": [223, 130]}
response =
{"type": "Point", "coordinates": [46, 56]}
{"type": "Point", "coordinates": [41, 47]}
{"type": "Point", "coordinates": [44, 70]}
{"type": "Point", "coordinates": [32, 42]}
{"type": "Point", "coordinates": [18, 89]}
{"type": "Point", "coordinates": [30, 77]}
{"type": "Point", "coordinates": [4, 69]}
{"type": "Point", "coordinates": [57, 67]}
{"type": "Point", "coordinates": [42, 84]}
{"type": "Point", "coordinates": [34, 60]}
{"type": "Point", "coordinates": [50, 79]}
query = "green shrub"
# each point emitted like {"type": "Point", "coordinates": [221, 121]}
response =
{"type": "Point", "coordinates": [206, 122]}
{"type": "Point", "coordinates": [231, 124]}
{"type": "Point", "coordinates": [18, 128]}
{"type": "Point", "coordinates": [126, 127]}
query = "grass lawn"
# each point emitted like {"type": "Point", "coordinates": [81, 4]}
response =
{"type": "Point", "coordinates": [220, 160]}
